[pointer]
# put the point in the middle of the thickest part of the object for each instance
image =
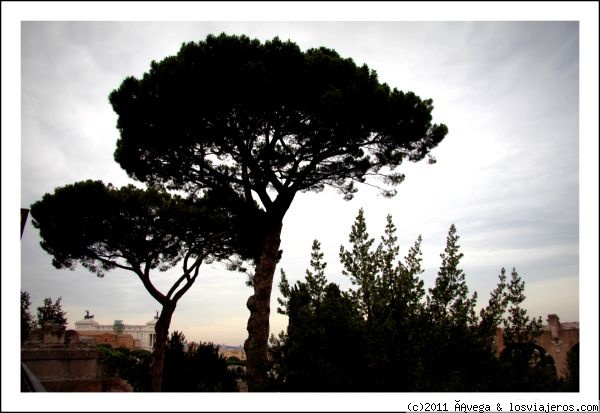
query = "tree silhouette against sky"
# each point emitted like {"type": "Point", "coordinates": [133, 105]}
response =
{"type": "Point", "coordinates": [267, 120]}
{"type": "Point", "coordinates": [142, 231]}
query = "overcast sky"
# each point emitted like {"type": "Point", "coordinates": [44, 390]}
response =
{"type": "Point", "coordinates": [507, 173]}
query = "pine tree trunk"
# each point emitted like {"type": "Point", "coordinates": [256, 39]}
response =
{"type": "Point", "coordinates": [158, 356]}
{"type": "Point", "coordinates": [256, 345]}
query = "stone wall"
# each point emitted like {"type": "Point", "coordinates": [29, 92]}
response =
{"type": "Point", "coordinates": [63, 364]}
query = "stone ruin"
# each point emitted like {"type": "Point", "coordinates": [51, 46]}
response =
{"type": "Point", "coordinates": [60, 363]}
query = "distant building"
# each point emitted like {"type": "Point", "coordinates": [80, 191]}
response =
{"type": "Point", "coordinates": [232, 351]}
{"type": "Point", "coordinates": [117, 334]}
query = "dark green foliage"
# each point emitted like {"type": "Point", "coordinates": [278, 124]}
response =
{"type": "Point", "coordinates": [131, 365]}
{"type": "Point", "coordinates": [199, 368]}
{"type": "Point", "coordinates": [210, 369]}
{"type": "Point", "coordinates": [193, 368]}
{"type": "Point", "coordinates": [454, 356]}
{"type": "Point", "coordinates": [391, 337]}
{"type": "Point", "coordinates": [491, 316]}
{"type": "Point", "coordinates": [530, 368]}
{"type": "Point", "coordinates": [309, 356]}
{"type": "Point", "coordinates": [274, 112]}
{"type": "Point", "coordinates": [175, 363]}
{"type": "Point", "coordinates": [361, 265]}
{"type": "Point", "coordinates": [389, 294]}
{"type": "Point", "coordinates": [27, 321]}
{"type": "Point", "coordinates": [51, 312]}
{"type": "Point", "coordinates": [518, 327]}
{"type": "Point", "coordinates": [235, 361]}
{"type": "Point", "coordinates": [103, 228]}
{"type": "Point", "coordinates": [448, 300]}
{"type": "Point", "coordinates": [572, 377]}
{"type": "Point", "coordinates": [266, 121]}
{"type": "Point", "coordinates": [323, 347]}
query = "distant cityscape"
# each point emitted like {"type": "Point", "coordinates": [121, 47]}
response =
{"type": "Point", "coordinates": [232, 351]}
{"type": "Point", "coordinates": [134, 336]}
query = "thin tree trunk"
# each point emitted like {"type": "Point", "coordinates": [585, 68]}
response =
{"type": "Point", "coordinates": [256, 345]}
{"type": "Point", "coordinates": [157, 361]}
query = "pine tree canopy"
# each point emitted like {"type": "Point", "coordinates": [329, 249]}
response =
{"type": "Point", "coordinates": [235, 112]}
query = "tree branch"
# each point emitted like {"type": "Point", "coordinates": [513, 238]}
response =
{"type": "Point", "coordinates": [145, 277]}
{"type": "Point", "coordinates": [196, 267]}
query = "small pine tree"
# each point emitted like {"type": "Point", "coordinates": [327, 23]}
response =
{"type": "Point", "coordinates": [518, 326]}
{"type": "Point", "coordinates": [409, 285]}
{"type": "Point", "coordinates": [530, 367]}
{"type": "Point", "coordinates": [284, 289]}
{"type": "Point", "coordinates": [361, 264]}
{"type": "Point", "coordinates": [387, 252]}
{"type": "Point", "coordinates": [492, 315]}
{"type": "Point", "coordinates": [316, 279]}
{"type": "Point", "coordinates": [449, 357]}
{"type": "Point", "coordinates": [448, 298]}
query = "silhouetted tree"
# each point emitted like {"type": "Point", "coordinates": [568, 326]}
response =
{"type": "Point", "coordinates": [323, 347]}
{"type": "Point", "coordinates": [493, 314]}
{"type": "Point", "coordinates": [209, 369]}
{"type": "Point", "coordinates": [456, 360]}
{"type": "Point", "coordinates": [531, 367]}
{"type": "Point", "coordinates": [51, 312]}
{"type": "Point", "coordinates": [399, 283]}
{"type": "Point", "coordinates": [195, 367]}
{"type": "Point", "coordinates": [403, 340]}
{"type": "Point", "coordinates": [27, 321]}
{"type": "Point", "coordinates": [448, 300]}
{"type": "Point", "coordinates": [398, 316]}
{"type": "Point", "coordinates": [131, 365]}
{"type": "Point", "coordinates": [268, 121]}
{"type": "Point", "coordinates": [174, 374]}
{"type": "Point", "coordinates": [105, 228]}
{"type": "Point", "coordinates": [361, 265]}
{"type": "Point", "coordinates": [518, 326]}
